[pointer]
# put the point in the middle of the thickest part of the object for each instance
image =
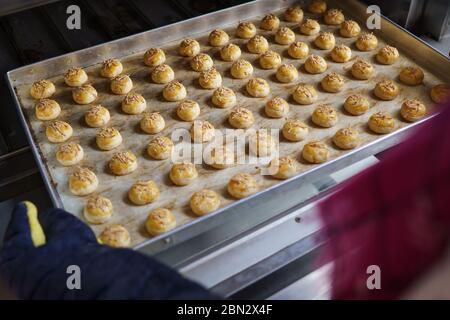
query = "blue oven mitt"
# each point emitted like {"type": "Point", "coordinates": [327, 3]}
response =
{"type": "Point", "coordinates": [35, 263]}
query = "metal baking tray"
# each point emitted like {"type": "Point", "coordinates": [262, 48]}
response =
{"type": "Point", "coordinates": [237, 216]}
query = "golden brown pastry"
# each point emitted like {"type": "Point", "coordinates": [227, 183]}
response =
{"type": "Point", "coordinates": [276, 108]}
{"type": "Point", "coordinates": [440, 93]}
{"type": "Point", "coordinates": [204, 201]}
{"type": "Point", "coordinates": [218, 38]}
{"type": "Point", "coordinates": [85, 94]}
{"type": "Point", "coordinates": [98, 209]}
{"type": "Point", "coordinates": [346, 138]}
{"type": "Point", "coordinates": [356, 104]}
{"type": "Point", "coordinates": [411, 76]}
{"type": "Point", "coordinates": [210, 79]}
{"type": "Point", "coordinates": [188, 110]}
{"type": "Point", "coordinates": [159, 221]}
{"type": "Point", "coordinates": [241, 118]}
{"type": "Point", "coordinates": [334, 17]}
{"type": "Point", "coordinates": [152, 122]}
{"type": "Point", "coordinates": [75, 77]}
{"type": "Point", "coordinates": [324, 116]}
{"type": "Point", "coordinates": [162, 74]}
{"type": "Point", "coordinates": [97, 116]}
{"type": "Point", "coordinates": [69, 154]}
{"type": "Point", "coordinates": [366, 42]}
{"type": "Point", "coordinates": [287, 73]}
{"type": "Point", "coordinates": [293, 14]}
{"type": "Point", "coordinates": [270, 22]}
{"type": "Point", "coordinates": [294, 130]}
{"type": "Point", "coordinates": [160, 148]}
{"type": "Point", "coordinates": [305, 94]}
{"type": "Point", "coordinates": [413, 110]}
{"type": "Point", "coordinates": [261, 144]}
{"type": "Point", "coordinates": [121, 84]}
{"type": "Point", "coordinates": [242, 185]}
{"type": "Point", "coordinates": [270, 60]}
{"type": "Point", "coordinates": [133, 103]}
{"type": "Point", "coordinates": [258, 44]}
{"type": "Point", "coordinates": [220, 157]}
{"type": "Point", "coordinates": [341, 53]}
{"type": "Point", "coordinates": [315, 152]}
{"type": "Point", "coordinates": [284, 167]}
{"type": "Point", "coordinates": [111, 68]}
{"type": "Point", "coordinates": [42, 89]}
{"type": "Point", "coordinates": [285, 36]}
{"type": "Point", "coordinates": [123, 163]}
{"type": "Point", "coordinates": [189, 48]}
{"type": "Point", "coordinates": [174, 91]}
{"type": "Point", "coordinates": [47, 109]}
{"type": "Point", "coordinates": [223, 98]}
{"type": "Point", "coordinates": [143, 192]}
{"type": "Point", "coordinates": [201, 62]}
{"type": "Point", "coordinates": [115, 236]}
{"type": "Point", "coordinates": [362, 69]}
{"type": "Point", "coordinates": [257, 87]}
{"type": "Point", "coordinates": [246, 30]}
{"type": "Point", "coordinates": [381, 122]}
{"type": "Point", "coordinates": [108, 138]}
{"type": "Point", "coordinates": [310, 27]}
{"type": "Point", "coordinates": [317, 6]}
{"type": "Point", "coordinates": [154, 57]}
{"type": "Point", "coordinates": [58, 131]}
{"type": "Point", "coordinates": [230, 52]}
{"type": "Point", "coordinates": [350, 29]}
{"type": "Point", "coordinates": [298, 50]}
{"type": "Point", "coordinates": [386, 90]}
{"type": "Point", "coordinates": [325, 41]}
{"type": "Point", "coordinates": [315, 64]}
{"type": "Point", "coordinates": [333, 82]}
{"type": "Point", "coordinates": [387, 55]}
{"type": "Point", "coordinates": [241, 69]}
{"type": "Point", "coordinates": [202, 131]}
{"type": "Point", "coordinates": [82, 182]}
{"type": "Point", "coordinates": [183, 173]}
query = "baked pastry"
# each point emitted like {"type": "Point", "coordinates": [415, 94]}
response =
{"type": "Point", "coordinates": [98, 209]}
{"type": "Point", "coordinates": [121, 84]}
{"type": "Point", "coordinates": [276, 108]}
{"type": "Point", "coordinates": [270, 22]}
{"type": "Point", "coordinates": [310, 27]}
{"type": "Point", "coordinates": [341, 53]}
{"type": "Point", "coordinates": [133, 103]}
{"type": "Point", "coordinates": [333, 82]}
{"type": "Point", "coordinates": [366, 42]}
{"type": "Point", "coordinates": [325, 41]}
{"type": "Point", "coordinates": [162, 74]}
{"type": "Point", "coordinates": [82, 182]}
{"type": "Point", "coordinates": [143, 192]}
{"type": "Point", "coordinates": [47, 109]}
{"type": "Point", "coordinates": [246, 30]}
{"type": "Point", "coordinates": [223, 97]}
{"type": "Point", "coordinates": [241, 69]}
{"type": "Point", "coordinates": [174, 91]}
{"type": "Point", "coordinates": [189, 48]}
{"type": "Point", "coordinates": [284, 35]}
{"type": "Point", "coordinates": [317, 6]}
{"type": "Point", "coordinates": [305, 94]}
{"type": "Point", "coordinates": [412, 76]}
{"type": "Point", "coordinates": [202, 131]}
{"type": "Point", "coordinates": [440, 93]}
{"type": "Point", "coordinates": [242, 185]}
{"type": "Point", "coordinates": [257, 87]}
{"type": "Point", "coordinates": [154, 57]}
{"type": "Point", "coordinates": [152, 122]}
{"type": "Point", "coordinates": [160, 221]}
{"type": "Point", "coordinates": [298, 50]}
{"type": "Point", "coordinates": [241, 118]}
{"type": "Point", "coordinates": [115, 236]}
{"type": "Point", "coordinates": [97, 116]}
{"type": "Point", "coordinates": [362, 70]}
{"type": "Point", "coordinates": [386, 90]}
{"type": "Point", "coordinates": [111, 68]}
{"type": "Point", "coordinates": [220, 157]}
{"type": "Point", "coordinates": [315, 152]}
{"type": "Point", "coordinates": [69, 154]}
{"type": "Point", "coordinates": [42, 89]}
{"type": "Point", "coordinates": [85, 94]}
{"type": "Point", "coordinates": [123, 163]}
{"type": "Point", "coordinates": [183, 173]}
{"type": "Point", "coordinates": [294, 130]}
{"type": "Point", "coordinates": [283, 167]}
{"type": "Point", "coordinates": [75, 77]}
{"type": "Point", "coordinates": [346, 138]}
{"type": "Point", "coordinates": [324, 116]}
{"type": "Point", "coordinates": [381, 122]}
{"type": "Point", "coordinates": [387, 55]}
{"type": "Point", "coordinates": [230, 52]}
{"type": "Point", "coordinates": [204, 201]}
{"type": "Point", "coordinates": [201, 62]}
{"type": "Point", "coordinates": [160, 148]}
{"type": "Point", "coordinates": [334, 17]}
{"type": "Point", "coordinates": [270, 60]}
{"type": "Point", "coordinates": [293, 14]}
{"type": "Point", "coordinates": [58, 131]}
{"type": "Point", "coordinates": [188, 110]}
{"type": "Point", "coordinates": [218, 38]}
{"type": "Point", "coordinates": [210, 79]}
{"type": "Point", "coordinates": [413, 110]}
{"type": "Point", "coordinates": [261, 144]}
{"type": "Point", "coordinates": [356, 104]}
{"type": "Point", "coordinates": [315, 64]}
{"type": "Point", "coordinates": [108, 138]}
{"type": "Point", "coordinates": [258, 44]}
{"type": "Point", "coordinates": [349, 29]}
{"type": "Point", "coordinates": [287, 73]}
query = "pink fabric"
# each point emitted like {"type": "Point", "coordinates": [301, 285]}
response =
{"type": "Point", "coordinates": [395, 215]}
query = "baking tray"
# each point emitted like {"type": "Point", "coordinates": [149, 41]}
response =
{"type": "Point", "coordinates": [277, 196]}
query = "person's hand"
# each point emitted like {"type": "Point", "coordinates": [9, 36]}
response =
{"type": "Point", "coordinates": [34, 263]}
